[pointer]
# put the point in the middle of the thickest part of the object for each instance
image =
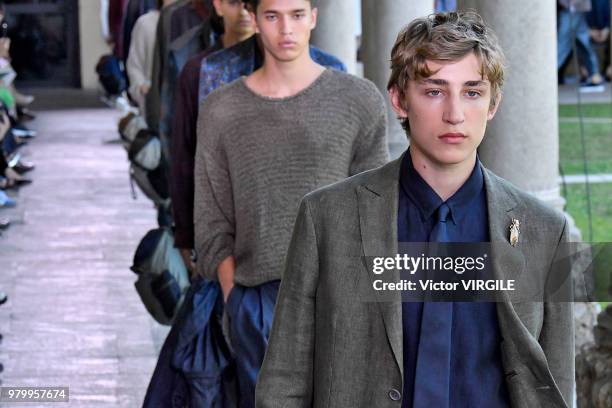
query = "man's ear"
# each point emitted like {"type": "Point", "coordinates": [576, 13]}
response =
{"type": "Point", "coordinates": [315, 14]}
{"type": "Point", "coordinates": [493, 108]}
{"type": "Point", "coordinates": [253, 15]}
{"type": "Point", "coordinates": [396, 103]}
{"type": "Point", "coordinates": [217, 6]}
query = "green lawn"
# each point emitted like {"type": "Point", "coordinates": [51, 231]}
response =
{"type": "Point", "coordinates": [598, 138]}
{"type": "Point", "coordinates": [599, 153]}
{"type": "Point", "coordinates": [602, 227]}
{"type": "Point", "coordinates": [589, 110]}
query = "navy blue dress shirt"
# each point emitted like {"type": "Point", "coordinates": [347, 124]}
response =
{"type": "Point", "coordinates": [476, 377]}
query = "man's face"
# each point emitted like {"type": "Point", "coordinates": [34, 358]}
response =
{"type": "Point", "coordinates": [236, 18]}
{"type": "Point", "coordinates": [285, 27]}
{"type": "Point", "coordinates": [448, 111]}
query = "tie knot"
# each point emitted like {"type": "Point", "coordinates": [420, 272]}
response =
{"type": "Point", "coordinates": [443, 212]}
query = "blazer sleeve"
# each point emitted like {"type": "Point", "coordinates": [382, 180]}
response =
{"type": "Point", "coordinates": [286, 377]}
{"type": "Point", "coordinates": [557, 334]}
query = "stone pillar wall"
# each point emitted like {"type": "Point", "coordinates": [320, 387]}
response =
{"type": "Point", "coordinates": [92, 45]}
{"type": "Point", "coordinates": [382, 20]}
{"type": "Point", "coordinates": [335, 31]}
{"type": "Point", "coordinates": [522, 142]}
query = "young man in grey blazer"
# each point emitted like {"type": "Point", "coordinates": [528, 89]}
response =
{"type": "Point", "coordinates": [330, 346]}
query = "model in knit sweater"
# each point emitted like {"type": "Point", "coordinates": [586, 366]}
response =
{"type": "Point", "coordinates": [264, 141]}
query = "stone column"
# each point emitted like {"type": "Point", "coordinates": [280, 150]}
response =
{"type": "Point", "coordinates": [335, 31]}
{"type": "Point", "coordinates": [382, 20]}
{"type": "Point", "coordinates": [522, 141]}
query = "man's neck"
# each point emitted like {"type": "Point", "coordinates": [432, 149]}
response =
{"type": "Point", "coordinates": [445, 180]}
{"type": "Point", "coordinates": [281, 79]}
{"type": "Point", "coordinates": [229, 39]}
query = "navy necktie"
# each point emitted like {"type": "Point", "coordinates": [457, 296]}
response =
{"type": "Point", "coordinates": [432, 388]}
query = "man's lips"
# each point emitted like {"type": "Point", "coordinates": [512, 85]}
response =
{"type": "Point", "coordinates": [456, 137]}
{"type": "Point", "coordinates": [287, 44]}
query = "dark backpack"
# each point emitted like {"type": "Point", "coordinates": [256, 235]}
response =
{"type": "Point", "coordinates": [163, 278]}
{"type": "Point", "coordinates": [144, 151]}
{"type": "Point", "coordinates": [111, 74]}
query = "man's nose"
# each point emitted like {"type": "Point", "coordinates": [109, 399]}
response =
{"type": "Point", "coordinates": [453, 112]}
{"type": "Point", "coordinates": [286, 26]}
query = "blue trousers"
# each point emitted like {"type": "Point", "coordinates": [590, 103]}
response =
{"type": "Point", "coordinates": [573, 27]}
{"type": "Point", "coordinates": [9, 144]}
{"type": "Point", "coordinates": [250, 311]}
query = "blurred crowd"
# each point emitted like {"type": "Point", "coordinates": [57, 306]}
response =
{"type": "Point", "coordinates": [14, 134]}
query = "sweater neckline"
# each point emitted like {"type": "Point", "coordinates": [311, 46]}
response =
{"type": "Point", "coordinates": [306, 90]}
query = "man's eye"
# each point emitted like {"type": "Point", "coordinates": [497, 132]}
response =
{"type": "Point", "coordinates": [298, 15]}
{"type": "Point", "coordinates": [434, 92]}
{"type": "Point", "coordinates": [473, 94]}
{"type": "Point", "coordinates": [270, 17]}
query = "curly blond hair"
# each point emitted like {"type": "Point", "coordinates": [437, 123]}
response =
{"type": "Point", "coordinates": [445, 37]}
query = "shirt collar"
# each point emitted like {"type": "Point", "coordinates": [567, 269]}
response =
{"type": "Point", "coordinates": [427, 200]}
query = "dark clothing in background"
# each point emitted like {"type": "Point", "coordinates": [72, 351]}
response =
{"type": "Point", "coordinates": [3, 163]}
{"type": "Point", "coordinates": [116, 9]}
{"type": "Point", "coordinates": [599, 17]}
{"type": "Point", "coordinates": [195, 40]}
{"type": "Point", "coordinates": [195, 368]}
{"type": "Point", "coordinates": [174, 20]}
{"type": "Point", "coordinates": [183, 141]}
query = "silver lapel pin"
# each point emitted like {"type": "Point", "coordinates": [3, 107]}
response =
{"type": "Point", "coordinates": [515, 230]}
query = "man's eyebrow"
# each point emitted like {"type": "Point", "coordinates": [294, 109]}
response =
{"type": "Point", "coordinates": [476, 83]}
{"type": "Point", "coordinates": [302, 10]}
{"type": "Point", "coordinates": [444, 82]}
{"type": "Point", "coordinates": [439, 82]}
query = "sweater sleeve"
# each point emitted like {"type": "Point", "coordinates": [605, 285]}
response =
{"type": "Point", "coordinates": [371, 149]}
{"type": "Point", "coordinates": [213, 199]}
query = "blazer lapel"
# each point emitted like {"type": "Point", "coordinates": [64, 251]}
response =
{"type": "Point", "coordinates": [508, 262]}
{"type": "Point", "coordinates": [378, 202]}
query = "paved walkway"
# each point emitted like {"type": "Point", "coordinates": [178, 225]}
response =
{"type": "Point", "coordinates": [73, 317]}
{"type": "Point", "coordinates": [597, 121]}
{"type": "Point", "coordinates": [568, 94]}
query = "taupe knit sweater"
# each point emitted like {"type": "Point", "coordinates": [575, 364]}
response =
{"type": "Point", "coordinates": [258, 156]}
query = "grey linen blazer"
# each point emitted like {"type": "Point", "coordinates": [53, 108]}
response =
{"type": "Point", "coordinates": [331, 348]}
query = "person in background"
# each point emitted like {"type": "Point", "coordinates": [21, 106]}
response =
{"type": "Point", "coordinates": [139, 64]}
{"type": "Point", "coordinates": [6, 70]}
{"type": "Point", "coordinates": [237, 27]}
{"type": "Point", "coordinates": [293, 126]}
{"type": "Point", "coordinates": [572, 26]}
{"type": "Point", "coordinates": [598, 20]}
